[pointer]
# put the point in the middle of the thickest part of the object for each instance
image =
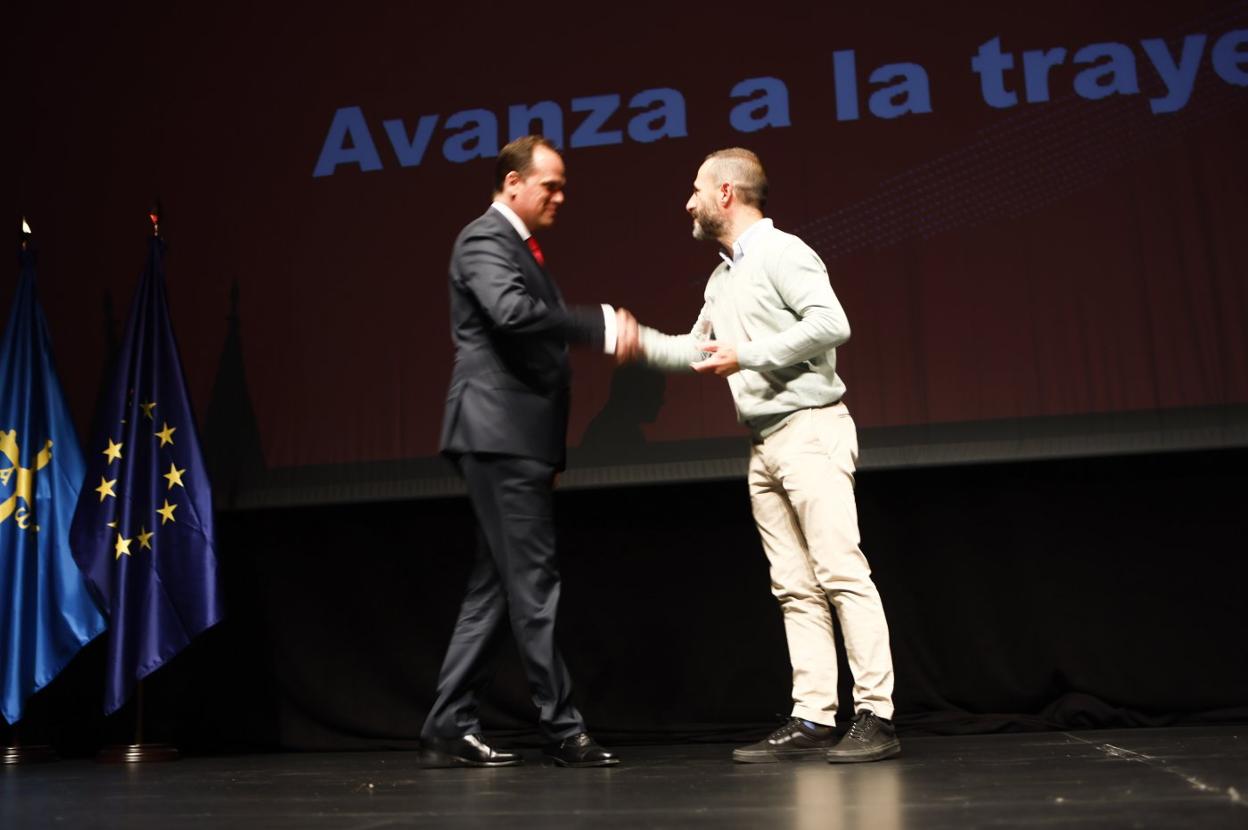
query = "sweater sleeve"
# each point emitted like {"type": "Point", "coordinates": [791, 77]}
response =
{"type": "Point", "coordinates": [801, 281]}
{"type": "Point", "coordinates": [674, 352]}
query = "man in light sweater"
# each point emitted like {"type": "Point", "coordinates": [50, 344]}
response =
{"type": "Point", "coordinates": [770, 325]}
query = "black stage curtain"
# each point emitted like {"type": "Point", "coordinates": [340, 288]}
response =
{"type": "Point", "coordinates": [1042, 595]}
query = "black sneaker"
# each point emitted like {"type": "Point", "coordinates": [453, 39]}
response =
{"type": "Point", "coordinates": [795, 741]}
{"type": "Point", "coordinates": [870, 738]}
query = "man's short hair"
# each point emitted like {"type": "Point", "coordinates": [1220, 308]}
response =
{"type": "Point", "coordinates": [518, 156]}
{"type": "Point", "coordinates": [745, 170]}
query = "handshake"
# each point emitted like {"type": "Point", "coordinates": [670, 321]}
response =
{"type": "Point", "coordinates": [718, 358]}
{"type": "Point", "coordinates": [627, 337]}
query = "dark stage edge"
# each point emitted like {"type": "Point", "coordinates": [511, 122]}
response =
{"type": "Point", "coordinates": [1177, 777]}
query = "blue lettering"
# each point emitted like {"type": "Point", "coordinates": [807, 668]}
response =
{"type": "Point", "coordinates": [666, 119]}
{"type": "Point", "coordinates": [910, 94]}
{"type": "Point", "coordinates": [1036, 66]}
{"type": "Point", "coordinates": [409, 153]}
{"type": "Point", "coordinates": [846, 77]}
{"type": "Point", "coordinates": [348, 123]}
{"type": "Point", "coordinates": [1179, 78]}
{"type": "Point", "coordinates": [769, 108]}
{"type": "Point", "coordinates": [990, 64]}
{"type": "Point", "coordinates": [1114, 74]}
{"type": "Point", "coordinates": [600, 108]}
{"type": "Point", "coordinates": [478, 141]}
{"type": "Point", "coordinates": [520, 119]}
{"type": "Point", "coordinates": [1229, 58]}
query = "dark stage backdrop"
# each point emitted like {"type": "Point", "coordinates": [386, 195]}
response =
{"type": "Point", "coordinates": [1032, 212]}
{"type": "Point", "coordinates": [1040, 595]}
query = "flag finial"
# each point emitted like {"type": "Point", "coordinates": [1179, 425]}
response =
{"type": "Point", "coordinates": [153, 213]}
{"type": "Point", "coordinates": [26, 233]}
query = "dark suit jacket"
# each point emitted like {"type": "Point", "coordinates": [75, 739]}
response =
{"type": "Point", "coordinates": [510, 384]}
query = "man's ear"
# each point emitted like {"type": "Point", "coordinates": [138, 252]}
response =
{"type": "Point", "coordinates": [512, 178]}
{"type": "Point", "coordinates": [725, 193]}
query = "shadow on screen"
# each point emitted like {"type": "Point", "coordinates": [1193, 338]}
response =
{"type": "Point", "coordinates": [232, 448]}
{"type": "Point", "coordinates": [636, 396]}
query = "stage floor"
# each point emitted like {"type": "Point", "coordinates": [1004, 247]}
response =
{"type": "Point", "coordinates": [1179, 777]}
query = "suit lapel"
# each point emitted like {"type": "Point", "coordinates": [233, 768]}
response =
{"type": "Point", "coordinates": [535, 276]}
{"type": "Point", "coordinates": [554, 286]}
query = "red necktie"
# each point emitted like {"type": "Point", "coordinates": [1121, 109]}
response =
{"type": "Point", "coordinates": [537, 251]}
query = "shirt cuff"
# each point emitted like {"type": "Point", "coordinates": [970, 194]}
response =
{"type": "Point", "coordinates": [609, 331]}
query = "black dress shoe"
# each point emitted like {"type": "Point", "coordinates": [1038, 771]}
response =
{"type": "Point", "coordinates": [580, 751]}
{"type": "Point", "coordinates": [468, 751]}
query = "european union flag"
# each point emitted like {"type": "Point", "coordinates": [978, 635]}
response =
{"type": "Point", "coordinates": [46, 611]}
{"type": "Point", "coordinates": [143, 528]}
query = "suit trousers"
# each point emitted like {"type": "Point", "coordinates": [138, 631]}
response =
{"type": "Point", "coordinates": [514, 579]}
{"type": "Point", "coordinates": [802, 494]}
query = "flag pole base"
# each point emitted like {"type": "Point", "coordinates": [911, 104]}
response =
{"type": "Point", "coordinates": [137, 754]}
{"type": "Point", "coordinates": [22, 754]}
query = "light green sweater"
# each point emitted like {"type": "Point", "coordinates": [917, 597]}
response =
{"type": "Point", "coordinates": [776, 306]}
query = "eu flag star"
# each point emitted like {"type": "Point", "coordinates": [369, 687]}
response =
{"type": "Point", "coordinates": [106, 488]}
{"type": "Point", "coordinates": [113, 452]}
{"type": "Point", "coordinates": [166, 512]}
{"type": "Point", "coordinates": [166, 434]}
{"type": "Point", "coordinates": [175, 476]}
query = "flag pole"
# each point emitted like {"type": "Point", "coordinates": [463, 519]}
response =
{"type": "Point", "coordinates": [15, 752]}
{"type": "Point", "coordinates": [140, 751]}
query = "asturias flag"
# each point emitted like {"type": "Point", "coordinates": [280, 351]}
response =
{"type": "Point", "coordinates": [143, 528]}
{"type": "Point", "coordinates": [46, 611]}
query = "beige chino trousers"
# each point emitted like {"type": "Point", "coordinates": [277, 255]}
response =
{"type": "Point", "coordinates": [802, 492]}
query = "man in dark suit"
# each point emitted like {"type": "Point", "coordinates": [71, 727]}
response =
{"type": "Point", "coordinates": [505, 426]}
